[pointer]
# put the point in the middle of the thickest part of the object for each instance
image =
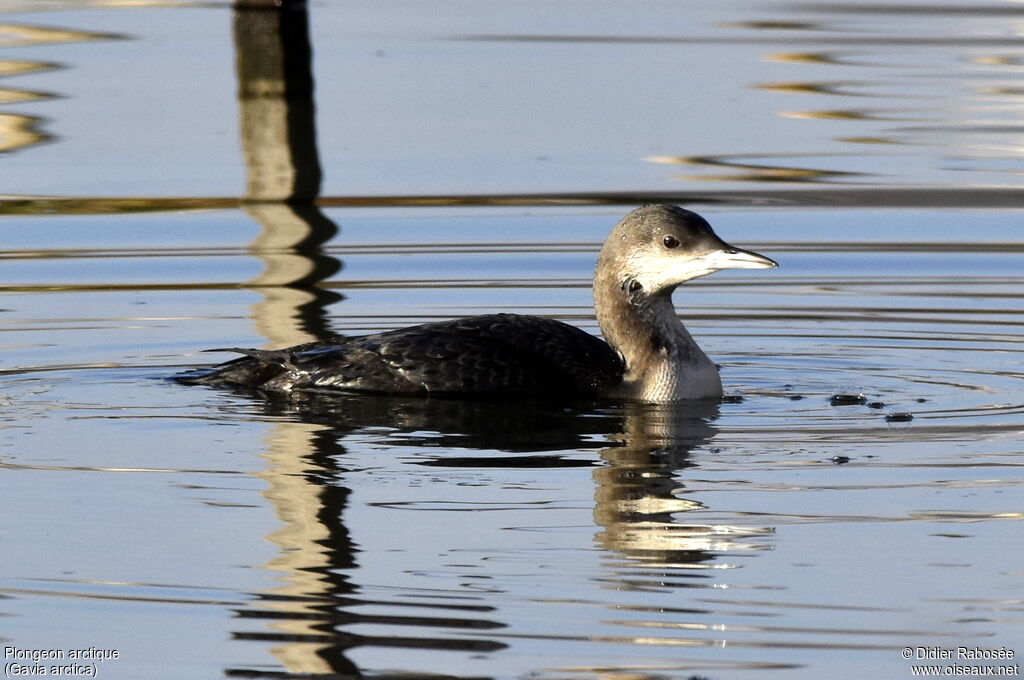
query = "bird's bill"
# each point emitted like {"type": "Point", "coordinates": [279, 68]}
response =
{"type": "Point", "coordinates": [730, 257]}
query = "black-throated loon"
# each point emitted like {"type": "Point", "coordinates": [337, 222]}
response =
{"type": "Point", "coordinates": [647, 353]}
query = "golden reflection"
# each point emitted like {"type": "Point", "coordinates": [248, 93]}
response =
{"type": "Point", "coordinates": [291, 312]}
{"type": "Point", "coordinates": [804, 58]}
{"type": "Point", "coordinates": [836, 114]}
{"type": "Point", "coordinates": [750, 172]}
{"type": "Point", "coordinates": [638, 494]}
{"type": "Point", "coordinates": [17, 132]}
{"type": "Point", "coordinates": [277, 119]}
{"type": "Point", "coordinates": [17, 67]}
{"type": "Point", "coordinates": [18, 96]}
{"type": "Point", "coordinates": [1010, 91]}
{"type": "Point", "coordinates": [999, 60]}
{"type": "Point", "coordinates": [20, 35]}
{"type": "Point", "coordinates": [303, 558]}
{"type": "Point", "coordinates": [796, 87]}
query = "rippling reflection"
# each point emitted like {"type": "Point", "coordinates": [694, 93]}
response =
{"type": "Point", "coordinates": [639, 491]}
{"type": "Point", "coordinates": [305, 617]}
{"type": "Point", "coordinates": [24, 35]}
{"type": "Point", "coordinates": [274, 65]}
{"type": "Point", "coordinates": [19, 131]}
{"type": "Point", "coordinates": [308, 487]}
{"type": "Point", "coordinates": [807, 58]}
{"type": "Point", "coordinates": [637, 505]}
{"type": "Point", "coordinates": [751, 172]}
{"type": "Point", "coordinates": [643, 457]}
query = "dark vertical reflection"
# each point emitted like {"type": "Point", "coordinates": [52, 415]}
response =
{"type": "Point", "coordinates": [277, 120]}
{"type": "Point", "coordinates": [275, 90]}
{"type": "Point", "coordinates": [283, 176]}
{"type": "Point", "coordinates": [308, 487]}
{"type": "Point", "coordinates": [305, 616]}
{"type": "Point", "coordinates": [315, 555]}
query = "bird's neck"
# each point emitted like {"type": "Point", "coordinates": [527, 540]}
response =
{"type": "Point", "coordinates": [663, 362]}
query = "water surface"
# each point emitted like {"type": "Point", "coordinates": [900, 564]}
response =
{"type": "Point", "coordinates": [467, 161]}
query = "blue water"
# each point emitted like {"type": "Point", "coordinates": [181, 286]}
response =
{"type": "Point", "coordinates": [472, 160]}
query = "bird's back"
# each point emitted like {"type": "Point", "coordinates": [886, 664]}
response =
{"type": "Point", "coordinates": [495, 354]}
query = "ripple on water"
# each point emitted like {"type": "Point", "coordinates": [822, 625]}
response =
{"type": "Point", "coordinates": [779, 530]}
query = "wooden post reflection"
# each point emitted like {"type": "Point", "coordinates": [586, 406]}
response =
{"type": "Point", "coordinates": [276, 110]}
{"type": "Point", "coordinates": [277, 120]}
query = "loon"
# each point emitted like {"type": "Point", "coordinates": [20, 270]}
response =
{"type": "Point", "coordinates": [647, 354]}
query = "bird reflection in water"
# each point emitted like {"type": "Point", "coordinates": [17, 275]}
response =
{"type": "Point", "coordinates": [637, 453]}
{"type": "Point", "coordinates": [640, 500]}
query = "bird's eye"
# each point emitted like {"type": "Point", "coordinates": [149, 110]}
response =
{"type": "Point", "coordinates": [670, 241]}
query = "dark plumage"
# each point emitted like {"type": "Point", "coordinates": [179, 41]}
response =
{"type": "Point", "coordinates": [473, 355]}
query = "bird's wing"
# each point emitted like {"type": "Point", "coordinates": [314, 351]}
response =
{"type": "Point", "coordinates": [491, 354]}
{"type": "Point", "coordinates": [500, 354]}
